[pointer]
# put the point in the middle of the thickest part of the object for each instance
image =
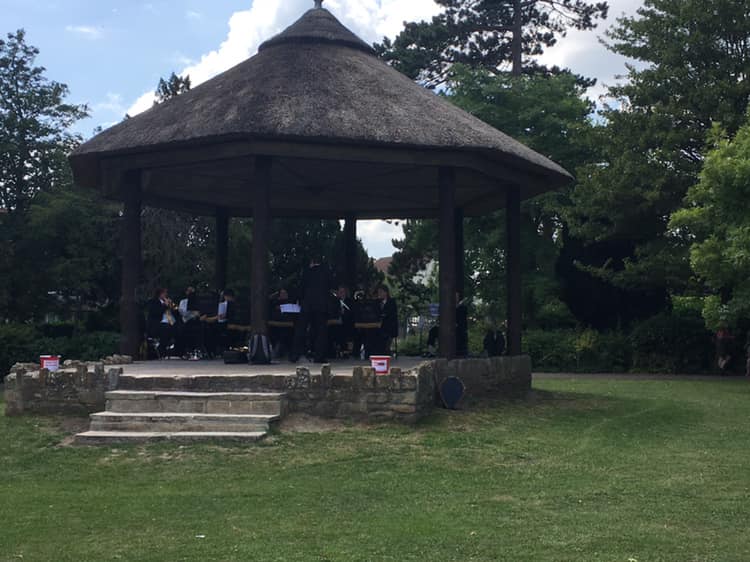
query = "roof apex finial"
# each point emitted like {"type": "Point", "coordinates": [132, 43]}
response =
{"type": "Point", "coordinates": [318, 3]}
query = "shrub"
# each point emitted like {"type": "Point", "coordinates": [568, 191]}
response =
{"type": "Point", "coordinates": [551, 350]}
{"type": "Point", "coordinates": [57, 330]}
{"type": "Point", "coordinates": [17, 343]}
{"type": "Point", "coordinates": [25, 343]}
{"type": "Point", "coordinates": [409, 346]}
{"type": "Point", "coordinates": [672, 343]}
{"type": "Point", "coordinates": [578, 351]}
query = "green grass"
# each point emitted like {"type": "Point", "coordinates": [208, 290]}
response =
{"type": "Point", "coordinates": [599, 470]}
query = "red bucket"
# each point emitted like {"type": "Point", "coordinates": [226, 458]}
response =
{"type": "Point", "coordinates": [49, 362]}
{"type": "Point", "coordinates": [381, 364]}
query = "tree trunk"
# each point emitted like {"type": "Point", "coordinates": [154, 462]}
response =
{"type": "Point", "coordinates": [517, 42]}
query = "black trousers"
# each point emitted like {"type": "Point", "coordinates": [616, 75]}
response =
{"type": "Point", "coordinates": [167, 335]}
{"type": "Point", "coordinates": [312, 327]}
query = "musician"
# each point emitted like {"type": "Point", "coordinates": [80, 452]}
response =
{"type": "Point", "coordinates": [161, 322]}
{"type": "Point", "coordinates": [381, 344]}
{"type": "Point", "coordinates": [342, 334]}
{"type": "Point", "coordinates": [462, 332]}
{"type": "Point", "coordinates": [282, 338]}
{"type": "Point", "coordinates": [226, 313]}
{"type": "Point", "coordinates": [188, 306]}
{"type": "Point", "coordinates": [191, 329]}
{"type": "Point", "coordinates": [316, 286]}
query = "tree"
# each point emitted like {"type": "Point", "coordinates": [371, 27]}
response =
{"type": "Point", "coordinates": [550, 114]}
{"type": "Point", "coordinates": [171, 87]}
{"type": "Point", "coordinates": [34, 142]}
{"type": "Point", "coordinates": [34, 126]}
{"type": "Point", "coordinates": [486, 34]}
{"type": "Point", "coordinates": [70, 235]}
{"type": "Point", "coordinates": [716, 220]}
{"type": "Point", "coordinates": [693, 72]}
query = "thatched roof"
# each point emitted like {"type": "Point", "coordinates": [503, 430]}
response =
{"type": "Point", "coordinates": [311, 93]}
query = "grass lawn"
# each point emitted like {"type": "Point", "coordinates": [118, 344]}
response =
{"type": "Point", "coordinates": [605, 470]}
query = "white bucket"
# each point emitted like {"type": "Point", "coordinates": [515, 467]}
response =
{"type": "Point", "coordinates": [49, 362]}
{"type": "Point", "coordinates": [381, 364]}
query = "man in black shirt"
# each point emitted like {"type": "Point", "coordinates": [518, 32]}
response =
{"type": "Point", "coordinates": [316, 287]}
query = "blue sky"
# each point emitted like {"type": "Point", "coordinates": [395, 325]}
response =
{"type": "Point", "coordinates": [111, 53]}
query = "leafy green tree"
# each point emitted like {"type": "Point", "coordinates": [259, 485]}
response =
{"type": "Point", "coordinates": [34, 142]}
{"type": "Point", "coordinates": [716, 220]}
{"type": "Point", "coordinates": [693, 71]}
{"type": "Point", "coordinates": [68, 244]}
{"type": "Point", "coordinates": [486, 34]}
{"type": "Point", "coordinates": [34, 126]}
{"type": "Point", "coordinates": [550, 114]}
{"type": "Point", "coordinates": [295, 241]}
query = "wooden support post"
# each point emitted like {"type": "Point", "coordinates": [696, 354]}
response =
{"type": "Point", "coordinates": [460, 251]}
{"type": "Point", "coordinates": [130, 313]}
{"type": "Point", "coordinates": [350, 252]}
{"type": "Point", "coordinates": [513, 268]}
{"type": "Point", "coordinates": [462, 334]}
{"type": "Point", "coordinates": [447, 228]}
{"type": "Point", "coordinates": [222, 249]}
{"type": "Point", "coordinates": [259, 286]}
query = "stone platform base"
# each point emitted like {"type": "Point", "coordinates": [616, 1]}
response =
{"type": "Point", "coordinates": [179, 400]}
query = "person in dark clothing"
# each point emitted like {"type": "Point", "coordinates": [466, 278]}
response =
{"type": "Point", "coordinates": [342, 333]}
{"type": "Point", "coordinates": [433, 341]}
{"type": "Point", "coordinates": [494, 343]}
{"type": "Point", "coordinates": [219, 337]}
{"type": "Point", "coordinates": [282, 337]}
{"type": "Point", "coordinates": [191, 327]}
{"type": "Point", "coordinates": [161, 323]}
{"type": "Point", "coordinates": [313, 321]}
{"type": "Point", "coordinates": [462, 332]}
{"type": "Point", "coordinates": [383, 338]}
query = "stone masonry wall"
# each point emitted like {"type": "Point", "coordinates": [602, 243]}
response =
{"type": "Point", "coordinates": [405, 396]}
{"type": "Point", "coordinates": [399, 396]}
{"type": "Point", "coordinates": [497, 377]}
{"type": "Point", "coordinates": [78, 388]}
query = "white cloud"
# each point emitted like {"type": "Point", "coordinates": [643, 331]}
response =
{"type": "Point", "coordinates": [371, 19]}
{"type": "Point", "coordinates": [180, 60]}
{"type": "Point", "coordinates": [86, 31]}
{"type": "Point", "coordinates": [582, 52]}
{"type": "Point", "coordinates": [377, 236]}
{"type": "Point", "coordinates": [193, 15]}
{"type": "Point", "coordinates": [146, 101]}
{"type": "Point", "coordinates": [113, 103]}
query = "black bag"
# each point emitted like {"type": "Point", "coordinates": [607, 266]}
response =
{"type": "Point", "coordinates": [260, 350]}
{"type": "Point", "coordinates": [232, 357]}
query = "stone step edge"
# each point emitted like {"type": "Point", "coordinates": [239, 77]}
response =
{"type": "Point", "coordinates": [181, 376]}
{"type": "Point", "coordinates": [188, 416]}
{"type": "Point", "coordinates": [103, 437]}
{"type": "Point", "coordinates": [148, 394]}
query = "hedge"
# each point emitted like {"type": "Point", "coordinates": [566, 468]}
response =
{"type": "Point", "coordinates": [25, 343]}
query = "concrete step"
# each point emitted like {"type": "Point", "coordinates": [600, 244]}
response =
{"type": "Point", "coordinates": [112, 437]}
{"type": "Point", "coordinates": [160, 422]}
{"type": "Point", "coordinates": [237, 403]}
{"type": "Point", "coordinates": [207, 382]}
